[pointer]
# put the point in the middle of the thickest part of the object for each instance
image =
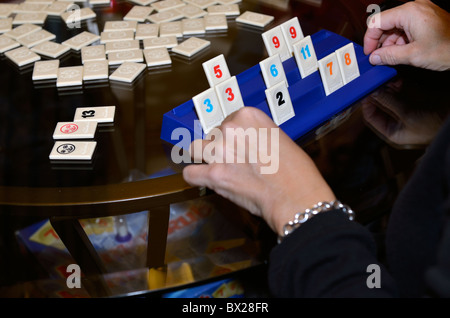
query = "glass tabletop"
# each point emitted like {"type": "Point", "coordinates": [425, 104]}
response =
{"type": "Point", "coordinates": [366, 153]}
{"type": "Point", "coordinates": [130, 149]}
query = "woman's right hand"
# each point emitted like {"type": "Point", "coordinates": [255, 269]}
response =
{"type": "Point", "coordinates": [416, 33]}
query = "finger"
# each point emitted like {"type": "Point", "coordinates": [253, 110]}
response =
{"type": "Point", "coordinates": [196, 149]}
{"type": "Point", "coordinates": [389, 20]}
{"type": "Point", "coordinates": [372, 38]}
{"type": "Point", "coordinates": [394, 38]}
{"type": "Point", "coordinates": [210, 149]}
{"type": "Point", "coordinates": [402, 40]}
{"type": "Point", "coordinates": [231, 117]}
{"type": "Point", "coordinates": [392, 55]}
{"type": "Point", "coordinates": [383, 38]}
{"type": "Point", "coordinates": [206, 175]}
{"type": "Point", "coordinates": [197, 175]}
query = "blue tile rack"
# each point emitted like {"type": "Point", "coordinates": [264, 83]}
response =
{"type": "Point", "coordinates": [312, 107]}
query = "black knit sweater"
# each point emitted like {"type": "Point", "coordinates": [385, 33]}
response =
{"type": "Point", "coordinates": [329, 255]}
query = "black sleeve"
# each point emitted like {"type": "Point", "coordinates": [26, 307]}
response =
{"type": "Point", "coordinates": [437, 276]}
{"type": "Point", "coordinates": [328, 256]}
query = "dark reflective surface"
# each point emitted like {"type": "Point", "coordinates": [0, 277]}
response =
{"type": "Point", "coordinates": [367, 153]}
{"type": "Point", "coordinates": [131, 147]}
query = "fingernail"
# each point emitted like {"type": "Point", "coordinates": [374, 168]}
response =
{"type": "Point", "coordinates": [375, 59]}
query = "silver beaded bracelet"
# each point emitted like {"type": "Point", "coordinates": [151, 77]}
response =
{"type": "Point", "coordinates": [302, 217]}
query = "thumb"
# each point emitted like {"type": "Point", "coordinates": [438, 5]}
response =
{"type": "Point", "coordinates": [392, 55]}
{"type": "Point", "coordinates": [198, 175]}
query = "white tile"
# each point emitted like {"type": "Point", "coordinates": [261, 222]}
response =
{"type": "Point", "coordinates": [146, 31]}
{"type": "Point", "coordinates": [95, 70]}
{"type": "Point", "coordinates": [50, 49]}
{"type": "Point", "coordinates": [83, 39]}
{"type": "Point", "coordinates": [7, 43]}
{"type": "Point", "coordinates": [45, 70]}
{"type": "Point", "coordinates": [47, 2]}
{"type": "Point", "coordinates": [5, 25]}
{"type": "Point", "coordinates": [165, 16]}
{"type": "Point", "coordinates": [229, 95]}
{"type": "Point", "coordinates": [216, 70]}
{"type": "Point", "coordinates": [143, 2]}
{"type": "Point", "coordinates": [32, 17]}
{"type": "Point", "coordinates": [273, 71]}
{"type": "Point", "coordinates": [29, 7]}
{"type": "Point", "coordinates": [216, 22]}
{"type": "Point", "coordinates": [93, 53]}
{"type": "Point", "coordinates": [157, 57]}
{"type": "Point", "coordinates": [165, 5]}
{"type": "Point", "coordinates": [70, 76]}
{"type": "Point", "coordinates": [255, 19]}
{"type": "Point", "coordinates": [138, 13]}
{"type": "Point", "coordinates": [73, 150]}
{"type": "Point", "coordinates": [292, 32]}
{"type": "Point", "coordinates": [191, 12]}
{"type": "Point", "coordinates": [110, 36]}
{"type": "Point", "coordinates": [193, 26]}
{"type": "Point", "coordinates": [36, 38]}
{"type": "Point", "coordinates": [330, 73]}
{"type": "Point", "coordinates": [119, 57]}
{"type": "Point", "coordinates": [98, 2]}
{"type": "Point", "coordinates": [191, 46]}
{"type": "Point", "coordinates": [22, 56]}
{"type": "Point", "coordinates": [75, 130]}
{"type": "Point", "coordinates": [174, 28]}
{"type": "Point", "coordinates": [58, 7]}
{"type": "Point", "coordinates": [23, 30]}
{"type": "Point", "coordinates": [7, 9]}
{"type": "Point", "coordinates": [275, 43]}
{"type": "Point", "coordinates": [100, 114]}
{"type": "Point", "coordinates": [121, 46]}
{"type": "Point", "coordinates": [203, 4]}
{"type": "Point", "coordinates": [167, 42]}
{"type": "Point", "coordinates": [348, 63]}
{"type": "Point", "coordinates": [306, 57]}
{"type": "Point", "coordinates": [280, 103]}
{"type": "Point", "coordinates": [227, 9]}
{"type": "Point", "coordinates": [120, 26]}
{"type": "Point", "coordinates": [127, 72]}
{"type": "Point", "coordinates": [208, 109]}
{"type": "Point", "coordinates": [229, 1]}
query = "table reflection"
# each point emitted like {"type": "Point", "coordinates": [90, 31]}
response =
{"type": "Point", "coordinates": [366, 153]}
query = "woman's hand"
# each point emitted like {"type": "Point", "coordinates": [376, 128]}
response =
{"type": "Point", "coordinates": [276, 178]}
{"type": "Point", "coordinates": [416, 33]}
